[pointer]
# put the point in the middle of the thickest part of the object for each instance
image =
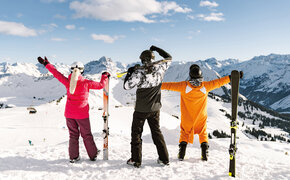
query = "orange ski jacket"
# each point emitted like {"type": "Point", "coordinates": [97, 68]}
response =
{"type": "Point", "coordinates": [193, 104]}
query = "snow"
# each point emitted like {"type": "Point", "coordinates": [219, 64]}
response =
{"type": "Point", "coordinates": [47, 158]}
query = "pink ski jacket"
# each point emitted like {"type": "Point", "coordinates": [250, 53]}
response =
{"type": "Point", "coordinates": [77, 106]}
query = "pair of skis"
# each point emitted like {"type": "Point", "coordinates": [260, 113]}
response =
{"type": "Point", "coordinates": [235, 80]}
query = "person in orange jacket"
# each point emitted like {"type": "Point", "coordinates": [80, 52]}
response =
{"type": "Point", "coordinates": [193, 104]}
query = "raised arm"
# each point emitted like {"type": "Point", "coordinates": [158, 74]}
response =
{"type": "Point", "coordinates": [101, 84]}
{"type": "Point", "coordinates": [217, 83]}
{"type": "Point", "coordinates": [161, 52]}
{"type": "Point", "coordinates": [60, 77]}
{"type": "Point", "coordinates": [173, 86]}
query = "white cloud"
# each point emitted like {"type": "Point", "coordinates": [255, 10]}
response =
{"type": "Point", "coordinates": [208, 4]}
{"type": "Point", "coordinates": [191, 16]}
{"type": "Point", "coordinates": [70, 27]}
{"type": "Point", "coordinates": [124, 10]}
{"type": "Point", "coordinates": [58, 39]}
{"type": "Point", "coordinates": [211, 17]}
{"type": "Point", "coordinates": [58, 16]}
{"type": "Point", "coordinates": [16, 29]}
{"type": "Point", "coordinates": [50, 1]}
{"type": "Point", "coordinates": [106, 38]}
{"type": "Point", "coordinates": [48, 28]}
{"type": "Point", "coordinates": [140, 28]}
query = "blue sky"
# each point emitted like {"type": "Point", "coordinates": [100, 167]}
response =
{"type": "Point", "coordinates": [85, 30]}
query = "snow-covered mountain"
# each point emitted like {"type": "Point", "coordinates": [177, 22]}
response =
{"type": "Point", "coordinates": [24, 84]}
{"type": "Point", "coordinates": [266, 80]}
{"type": "Point", "coordinates": [104, 64]}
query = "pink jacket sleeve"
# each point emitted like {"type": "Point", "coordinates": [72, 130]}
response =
{"type": "Point", "coordinates": [98, 85]}
{"type": "Point", "coordinates": [60, 77]}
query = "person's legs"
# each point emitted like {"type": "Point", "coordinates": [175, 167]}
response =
{"type": "Point", "coordinates": [85, 130]}
{"type": "Point", "coordinates": [136, 133]}
{"type": "Point", "coordinates": [73, 138]}
{"type": "Point", "coordinates": [158, 139]}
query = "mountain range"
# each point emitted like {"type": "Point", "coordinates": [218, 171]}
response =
{"type": "Point", "coordinates": [266, 78]}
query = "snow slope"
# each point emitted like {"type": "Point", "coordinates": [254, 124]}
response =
{"type": "Point", "coordinates": [25, 85]}
{"type": "Point", "coordinates": [48, 157]}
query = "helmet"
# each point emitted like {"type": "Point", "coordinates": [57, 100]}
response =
{"type": "Point", "coordinates": [78, 65]}
{"type": "Point", "coordinates": [195, 72]}
{"type": "Point", "coordinates": [146, 56]}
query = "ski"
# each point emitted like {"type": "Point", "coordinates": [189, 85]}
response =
{"type": "Point", "coordinates": [105, 118]}
{"type": "Point", "coordinates": [235, 79]}
{"type": "Point", "coordinates": [121, 74]}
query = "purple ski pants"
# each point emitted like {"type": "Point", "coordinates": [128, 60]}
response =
{"type": "Point", "coordinates": [76, 128]}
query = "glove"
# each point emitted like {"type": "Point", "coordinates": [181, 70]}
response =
{"type": "Point", "coordinates": [160, 51]}
{"type": "Point", "coordinates": [241, 74]}
{"type": "Point", "coordinates": [153, 48]}
{"type": "Point", "coordinates": [106, 74]}
{"type": "Point", "coordinates": [43, 61]}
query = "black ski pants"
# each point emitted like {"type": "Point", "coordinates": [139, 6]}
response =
{"type": "Point", "coordinates": [136, 134]}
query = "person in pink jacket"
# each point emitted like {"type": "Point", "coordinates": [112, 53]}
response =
{"type": "Point", "coordinates": [77, 107]}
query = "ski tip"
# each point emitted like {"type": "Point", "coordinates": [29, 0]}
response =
{"type": "Point", "coordinates": [235, 73]}
{"type": "Point", "coordinates": [119, 75]}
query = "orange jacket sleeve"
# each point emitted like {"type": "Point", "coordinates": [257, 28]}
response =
{"type": "Point", "coordinates": [211, 85]}
{"type": "Point", "coordinates": [173, 86]}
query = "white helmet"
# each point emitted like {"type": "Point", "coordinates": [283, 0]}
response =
{"type": "Point", "coordinates": [78, 65]}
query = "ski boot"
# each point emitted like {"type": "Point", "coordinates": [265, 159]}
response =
{"type": "Point", "coordinates": [132, 163]}
{"type": "Point", "coordinates": [204, 151]}
{"type": "Point", "coordinates": [95, 158]}
{"type": "Point", "coordinates": [162, 163]}
{"type": "Point", "coordinates": [182, 150]}
{"type": "Point", "coordinates": [74, 160]}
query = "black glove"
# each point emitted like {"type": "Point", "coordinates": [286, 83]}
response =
{"type": "Point", "coordinates": [153, 48]}
{"type": "Point", "coordinates": [43, 61]}
{"type": "Point", "coordinates": [106, 74]}
{"type": "Point", "coordinates": [160, 51]}
{"type": "Point", "coordinates": [241, 74]}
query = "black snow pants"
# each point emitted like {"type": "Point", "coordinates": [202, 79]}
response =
{"type": "Point", "coordinates": [136, 133]}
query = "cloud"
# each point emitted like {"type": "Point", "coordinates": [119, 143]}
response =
{"type": "Point", "coordinates": [16, 29]}
{"type": "Point", "coordinates": [58, 39]}
{"type": "Point", "coordinates": [124, 10]}
{"type": "Point", "coordinates": [70, 27]}
{"type": "Point", "coordinates": [211, 17]}
{"type": "Point", "coordinates": [208, 4]}
{"type": "Point", "coordinates": [47, 28]}
{"type": "Point", "coordinates": [142, 29]}
{"type": "Point", "coordinates": [106, 38]}
{"type": "Point", "coordinates": [191, 16]}
{"type": "Point", "coordinates": [50, 1]}
{"type": "Point", "coordinates": [58, 16]}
